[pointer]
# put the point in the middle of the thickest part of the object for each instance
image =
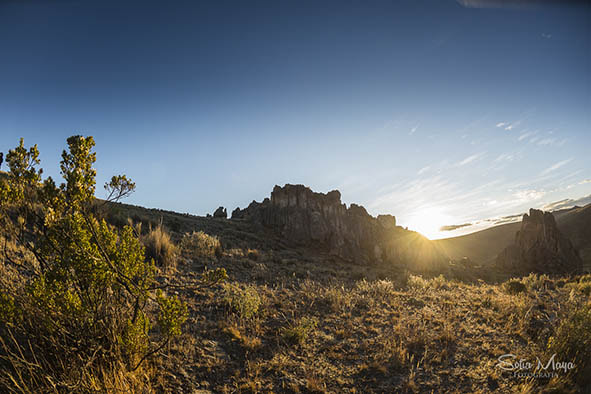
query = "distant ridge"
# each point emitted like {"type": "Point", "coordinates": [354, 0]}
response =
{"type": "Point", "coordinates": [484, 246]}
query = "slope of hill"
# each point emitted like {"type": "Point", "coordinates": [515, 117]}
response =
{"type": "Point", "coordinates": [481, 246]}
{"type": "Point", "coordinates": [312, 322]}
{"type": "Point", "coordinates": [575, 223]}
{"type": "Point", "coordinates": [484, 246]}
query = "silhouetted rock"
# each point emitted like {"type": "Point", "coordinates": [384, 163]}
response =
{"type": "Point", "coordinates": [236, 213]}
{"type": "Point", "coordinates": [220, 213]}
{"type": "Point", "coordinates": [539, 247]}
{"type": "Point", "coordinates": [309, 218]}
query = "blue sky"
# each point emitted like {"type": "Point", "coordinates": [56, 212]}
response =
{"type": "Point", "coordinates": [428, 110]}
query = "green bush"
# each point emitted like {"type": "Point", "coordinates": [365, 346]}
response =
{"type": "Point", "coordinates": [299, 332]}
{"type": "Point", "coordinates": [572, 343]}
{"type": "Point", "coordinates": [199, 244]}
{"type": "Point", "coordinates": [87, 299]}
{"type": "Point", "coordinates": [514, 287]}
{"type": "Point", "coordinates": [243, 301]}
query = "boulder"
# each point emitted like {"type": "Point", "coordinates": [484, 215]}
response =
{"type": "Point", "coordinates": [539, 247]}
{"type": "Point", "coordinates": [220, 213]}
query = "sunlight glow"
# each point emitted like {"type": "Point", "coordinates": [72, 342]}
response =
{"type": "Point", "coordinates": [428, 221]}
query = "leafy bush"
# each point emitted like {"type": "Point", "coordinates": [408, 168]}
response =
{"type": "Point", "coordinates": [514, 286]}
{"type": "Point", "coordinates": [199, 244]}
{"type": "Point", "coordinates": [298, 333]}
{"type": "Point", "coordinates": [245, 302]}
{"type": "Point", "coordinates": [572, 343]}
{"type": "Point", "coordinates": [159, 247]}
{"type": "Point", "coordinates": [87, 304]}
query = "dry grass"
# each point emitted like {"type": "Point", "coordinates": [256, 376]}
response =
{"type": "Point", "coordinates": [199, 244]}
{"type": "Point", "coordinates": [160, 247]}
{"type": "Point", "coordinates": [299, 321]}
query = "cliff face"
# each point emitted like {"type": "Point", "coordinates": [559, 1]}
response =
{"type": "Point", "coordinates": [539, 247]}
{"type": "Point", "coordinates": [305, 217]}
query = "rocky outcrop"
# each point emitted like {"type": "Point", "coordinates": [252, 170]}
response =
{"type": "Point", "coordinates": [220, 213]}
{"type": "Point", "coordinates": [309, 218]}
{"type": "Point", "coordinates": [539, 247]}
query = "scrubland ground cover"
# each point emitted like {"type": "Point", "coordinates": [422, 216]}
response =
{"type": "Point", "coordinates": [155, 301]}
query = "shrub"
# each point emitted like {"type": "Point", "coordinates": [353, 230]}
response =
{"type": "Point", "coordinates": [417, 282]}
{"type": "Point", "coordinates": [514, 286]}
{"type": "Point", "coordinates": [535, 281]}
{"type": "Point", "coordinates": [298, 333]}
{"type": "Point", "coordinates": [338, 299]}
{"type": "Point", "coordinates": [86, 304]}
{"type": "Point", "coordinates": [245, 302]}
{"type": "Point", "coordinates": [159, 247]}
{"type": "Point", "coordinates": [199, 244]}
{"type": "Point", "coordinates": [379, 289]}
{"type": "Point", "coordinates": [572, 343]}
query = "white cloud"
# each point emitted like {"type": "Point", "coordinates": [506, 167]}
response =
{"type": "Point", "coordinates": [555, 166]}
{"type": "Point", "coordinates": [412, 131]}
{"type": "Point", "coordinates": [529, 195]}
{"type": "Point", "coordinates": [470, 159]}
{"type": "Point", "coordinates": [547, 141]}
{"type": "Point", "coordinates": [423, 170]}
{"type": "Point", "coordinates": [501, 124]}
{"type": "Point", "coordinates": [567, 203]}
{"type": "Point", "coordinates": [504, 157]}
{"type": "Point", "coordinates": [527, 134]}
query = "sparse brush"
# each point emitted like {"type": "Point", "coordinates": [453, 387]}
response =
{"type": "Point", "coordinates": [535, 281]}
{"type": "Point", "coordinates": [160, 247]}
{"type": "Point", "coordinates": [243, 301]}
{"type": "Point", "coordinates": [199, 244]}
{"type": "Point", "coordinates": [514, 287]}
{"type": "Point", "coordinates": [378, 290]}
{"type": "Point", "coordinates": [572, 343]}
{"type": "Point", "coordinates": [297, 333]}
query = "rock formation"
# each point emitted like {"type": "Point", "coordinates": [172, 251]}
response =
{"type": "Point", "coordinates": [220, 213]}
{"type": "Point", "coordinates": [309, 218]}
{"type": "Point", "coordinates": [539, 247]}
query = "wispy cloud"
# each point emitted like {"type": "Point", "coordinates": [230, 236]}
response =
{"type": "Point", "coordinates": [529, 195]}
{"type": "Point", "coordinates": [547, 141]}
{"type": "Point", "coordinates": [452, 227]}
{"type": "Point", "coordinates": [508, 125]}
{"type": "Point", "coordinates": [505, 157]}
{"type": "Point", "coordinates": [526, 135]}
{"type": "Point", "coordinates": [567, 203]}
{"type": "Point", "coordinates": [584, 181]}
{"type": "Point", "coordinates": [470, 159]}
{"type": "Point", "coordinates": [412, 130]}
{"type": "Point", "coordinates": [555, 166]}
{"type": "Point", "coordinates": [546, 36]}
{"type": "Point", "coordinates": [423, 170]}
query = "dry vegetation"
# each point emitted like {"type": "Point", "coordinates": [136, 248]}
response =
{"type": "Point", "coordinates": [294, 321]}
{"type": "Point", "coordinates": [289, 319]}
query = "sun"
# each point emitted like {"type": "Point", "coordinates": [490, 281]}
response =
{"type": "Point", "coordinates": [428, 221]}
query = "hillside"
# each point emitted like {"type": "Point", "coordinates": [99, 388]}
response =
{"type": "Point", "coordinates": [298, 319]}
{"type": "Point", "coordinates": [484, 246]}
